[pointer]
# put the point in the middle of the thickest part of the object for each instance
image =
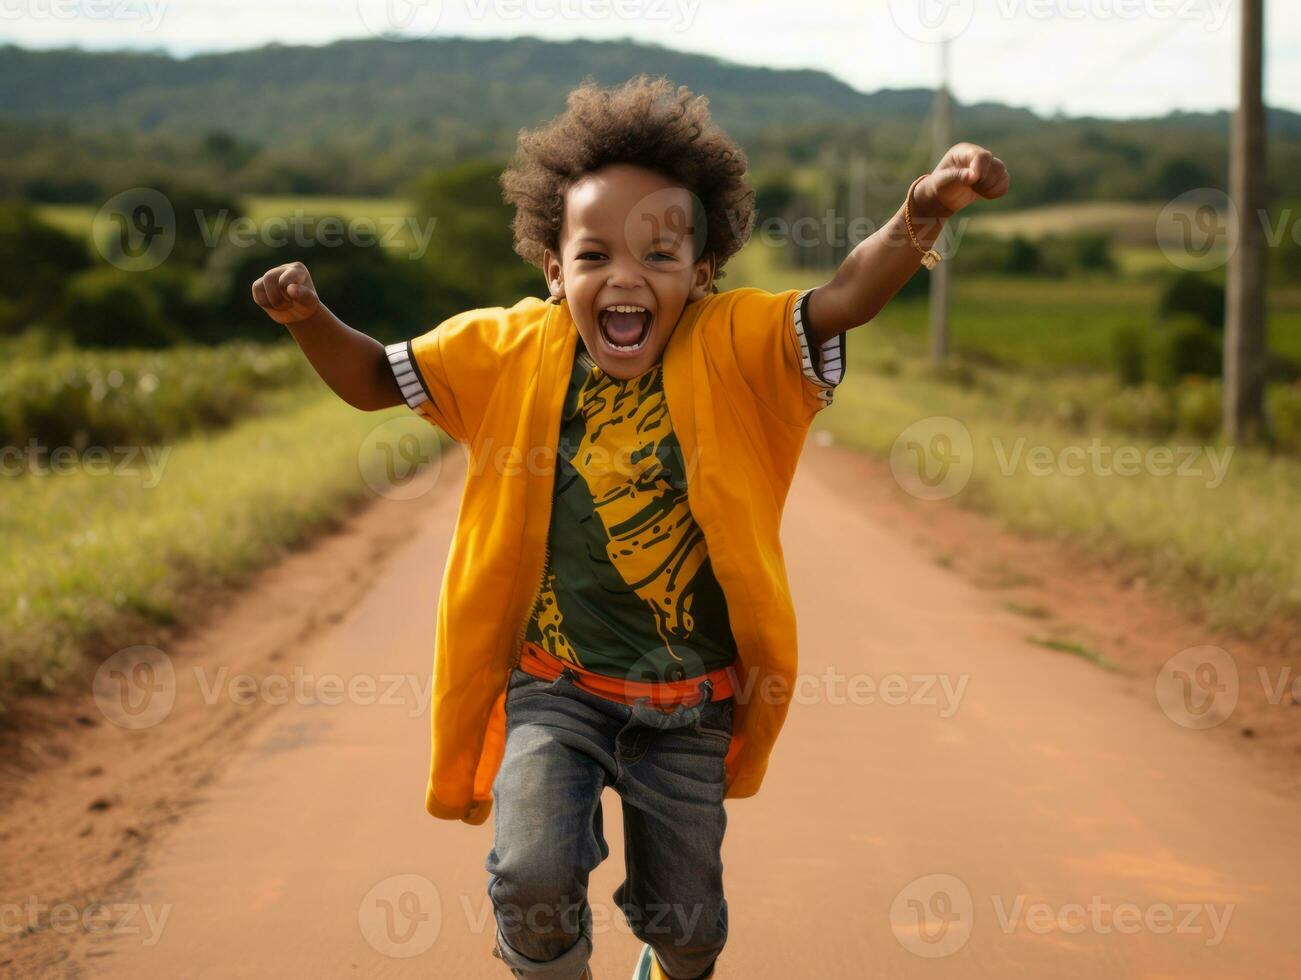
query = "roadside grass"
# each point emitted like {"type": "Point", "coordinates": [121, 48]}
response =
{"type": "Point", "coordinates": [1030, 611]}
{"type": "Point", "coordinates": [77, 397]}
{"type": "Point", "coordinates": [1075, 650]}
{"type": "Point", "coordinates": [99, 562]}
{"type": "Point", "coordinates": [1229, 550]}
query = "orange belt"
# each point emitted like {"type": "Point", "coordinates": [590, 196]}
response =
{"type": "Point", "coordinates": [665, 695]}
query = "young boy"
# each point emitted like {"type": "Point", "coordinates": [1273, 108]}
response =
{"type": "Point", "coordinates": [614, 608]}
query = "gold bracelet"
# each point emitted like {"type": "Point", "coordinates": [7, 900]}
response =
{"type": "Point", "coordinates": [930, 257]}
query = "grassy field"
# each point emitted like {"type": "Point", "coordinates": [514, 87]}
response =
{"type": "Point", "coordinates": [1131, 223]}
{"type": "Point", "coordinates": [1225, 544]}
{"type": "Point", "coordinates": [1216, 532]}
{"type": "Point", "coordinates": [1049, 325]}
{"type": "Point", "coordinates": [95, 562]}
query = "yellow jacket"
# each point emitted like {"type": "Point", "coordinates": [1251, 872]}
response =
{"type": "Point", "coordinates": [741, 391]}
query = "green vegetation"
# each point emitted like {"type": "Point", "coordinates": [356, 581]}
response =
{"type": "Point", "coordinates": [1214, 529]}
{"type": "Point", "coordinates": [1075, 649]}
{"type": "Point", "coordinates": [77, 398]}
{"type": "Point", "coordinates": [1074, 370]}
{"type": "Point", "coordinates": [369, 117]}
{"type": "Point", "coordinates": [96, 562]}
{"type": "Point", "coordinates": [1044, 326]}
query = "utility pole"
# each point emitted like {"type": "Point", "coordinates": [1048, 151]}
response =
{"type": "Point", "coordinates": [1244, 327]}
{"type": "Point", "coordinates": [940, 143]}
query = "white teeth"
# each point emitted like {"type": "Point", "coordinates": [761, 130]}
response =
{"type": "Point", "coordinates": [624, 308]}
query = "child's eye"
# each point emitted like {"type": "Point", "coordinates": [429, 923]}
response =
{"type": "Point", "coordinates": [596, 256]}
{"type": "Point", "coordinates": [667, 255]}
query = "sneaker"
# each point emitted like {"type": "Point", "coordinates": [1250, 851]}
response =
{"type": "Point", "coordinates": [648, 967]}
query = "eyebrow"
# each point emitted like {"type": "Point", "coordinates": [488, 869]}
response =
{"type": "Point", "coordinates": [658, 240]}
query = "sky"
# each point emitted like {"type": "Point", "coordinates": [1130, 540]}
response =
{"type": "Point", "coordinates": [1114, 58]}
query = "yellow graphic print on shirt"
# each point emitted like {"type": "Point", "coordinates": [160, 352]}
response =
{"type": "Point", "coordinates": [628, 572]}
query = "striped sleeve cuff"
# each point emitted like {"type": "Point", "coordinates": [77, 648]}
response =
{"type": "Point", "coordinates": [824, 367]}
{"type": "Point", "coordinates": [410, 383]}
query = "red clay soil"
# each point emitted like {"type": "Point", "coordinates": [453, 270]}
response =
{"type": "Point", "coordinates": [948, 798]}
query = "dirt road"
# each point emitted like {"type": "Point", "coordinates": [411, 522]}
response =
{"type": "Point", "coordinates": [946, 800]}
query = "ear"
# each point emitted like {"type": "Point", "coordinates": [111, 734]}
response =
{"type": "Point", "coordinates": [551, 268]}
{"type": "Point", "coordinates": [702, 278]}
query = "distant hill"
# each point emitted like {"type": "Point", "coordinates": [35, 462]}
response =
{"type": "Point", "coordinates": [367, 116]}
{"type": "Point", "coordinates": [312, 95]}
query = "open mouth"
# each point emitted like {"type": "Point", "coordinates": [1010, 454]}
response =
{"type": "Point", "coordinates": [625, 327]}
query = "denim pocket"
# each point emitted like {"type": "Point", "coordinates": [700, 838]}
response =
{"type": "Point", "coordinates": [523, 685]}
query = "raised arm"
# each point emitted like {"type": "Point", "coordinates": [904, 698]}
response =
{"type": "Point", "coordinates": [879, 265]}
{"type": "Point", "coordinates": [353, 364]}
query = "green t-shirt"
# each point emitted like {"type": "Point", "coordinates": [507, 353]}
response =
{"type": "Point", "coordinates": [628, 590]}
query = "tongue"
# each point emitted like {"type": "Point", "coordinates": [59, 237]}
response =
{"type": "Point", "coordinates": [624, 328]}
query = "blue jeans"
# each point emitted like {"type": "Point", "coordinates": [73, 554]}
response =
{"type": "Point", "coordinates": [563, 746]}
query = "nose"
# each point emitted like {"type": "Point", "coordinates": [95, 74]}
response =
{"type": "Point", "coordinates": [625, 273]}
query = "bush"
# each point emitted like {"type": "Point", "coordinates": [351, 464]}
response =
{"type": "Point", "coordinates": [1182, 347]}
{"type": "Point", "coordinates": [184, 302]}
{"type": "Point", "coordinates": [388, 298]}
{"type": "Point", "coordinates": [1283, 409]}
{"type": "Point", "coordinates": [1083, 252]}
{"type": "Point", "coordinates": [1015, 256]}
{"type": "Point", "coordinates": [1092, 253]}
{"type": "Point", "coordinates": [200, 219]}
{"type": "Point", "coordinates": [1145, 410]}
{"type": "Point", "coordinates": [109, 307]}
{"type": "Point", "coordinates": [1024, 257]}
{"type": "Point", "coordinates": [36, 260]}
{"type": "Point", "coordinates": [1191, 293]}
{"type": "Point", "coordinates": [472, 246]}
{"type": "Point", "coordinates": [1128, 347]}
{"type": "Point", "coordinates": [1197, 407]}
{"type": "Point", "coordinates": [77, 397]}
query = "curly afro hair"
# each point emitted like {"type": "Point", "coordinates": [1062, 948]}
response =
{"type": "Point", "coordinates": [645, 122]}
